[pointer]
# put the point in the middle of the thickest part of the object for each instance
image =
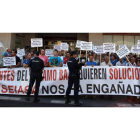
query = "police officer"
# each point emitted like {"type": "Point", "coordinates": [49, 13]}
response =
{"type": "Point", "coordinates": [36, 66]}
{"type": "Point", "coordinates": [74, 67]}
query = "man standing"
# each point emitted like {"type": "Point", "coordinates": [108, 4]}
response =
{"type": "Point", "coordinates": [120, 62]}
{"type": "Point", "coordinates": [7, 53]}
{"type": "Point", "coordinates": [106, 62]}
{"type": "Point", "coordinates": [74, 67]}
{"type": "Point", "coordinates": [36, 66]}
{"type": "Point", "coordinates": [55, 61]}
{"type": "Point", "coordinates": [44, 58]}
{"type": "Point", "coordinates": [26, 61]}
{"type": "Point", "coordinates": [18, 62]}
{"type": "Point", "coordinates": [114, 60]}
{"type": "Point", "coordinates": [91, 62]}
{"type": "Point", "coordinates": [66, 58]}
{"type": "Point", "coordinates": [131, 62]}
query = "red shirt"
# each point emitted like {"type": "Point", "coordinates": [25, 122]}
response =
{"type": "Point", "coordinates": [65, 60]}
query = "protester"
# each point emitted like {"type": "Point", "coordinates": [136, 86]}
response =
{"type": "Point", "coordinates": [120, 62]}
{"type": "Point", "coordinates": [44, 58]}
{"type": "Point", "coordinates": [26, 52]}
{"type": "Point", "coordinates": [82, 59]}
{"type": "Point", "coordinates": [32, 55]}
{"type": "Point", "coordinates": [26, 61]}
{"type": "Point", "coordinates": [106, 62]}
{"type": "Point", "coordinates": [131, 62]}
{"type": "Point", "coordinates": [7, 53]}
{"type": "Point", "coordinates": [91, 62]}
{"type": "Point", "coordinates": [96, 59]}
{"type": "Point", "coordinates": [55, 61]}
{"type": "Point", "coordinates": [113, 60]}
{"type": "Point", "coordinates": [18, 62]}
{"type": "Point", "coordinates": [67, 57]}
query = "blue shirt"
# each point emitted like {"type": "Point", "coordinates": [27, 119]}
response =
{"type": "Point", "coordinates": [114, 62]}
{"type": "Point", "coordinates": [91, 63]}
{"type": "Point", "coordinates": [6, 54]}
{"type": "Point", "coordinates": [55, 61]}
{"type": "Point", "coordinates": [26, 61]}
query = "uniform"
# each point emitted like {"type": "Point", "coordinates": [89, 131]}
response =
{"type": "Point", "coordinates": [74, 68]}
{"type": "Point", "coordinates": [36, 66]}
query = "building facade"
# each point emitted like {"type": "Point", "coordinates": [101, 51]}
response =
{"type": "Point", "coordinates": [23, 40]}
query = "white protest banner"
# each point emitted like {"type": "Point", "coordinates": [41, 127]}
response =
{"type": "Point", "coordinates": [122, 52]}
{"type": "Point", "coordinates": [49, 52]}
{"type": "Point", "coordinates": [9, 61]}
{"type": "Point", "coordinates": [97, 80]}
{"type": "Point", "coordinates": [57, 47]}
{"type": "Point", "coordinates": [1, 45]}
{"type": "Point", "coordinates": [20, 52]}
{"type": "Point", "coordinates": [98, 49]}
{"type": "Point", "coordinates": [64, 46]}
{"type": "Point", "coordinates": [109, 47]}
{"type": "Point", "coordinates": [134, 49]}
{"type": "Point", "coordinates": [120, 46]}
{"type": "Point", "coordinates": [36, 42]}
{"type": "Point", "coordinates": [86, 46]}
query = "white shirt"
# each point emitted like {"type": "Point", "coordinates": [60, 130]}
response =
{"type": "Point", "coordinates": [120, 64]}
{"type": "Point", "coordinates": [104, 64]}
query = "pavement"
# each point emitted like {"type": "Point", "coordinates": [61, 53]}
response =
{"type": "Point", "coordinates": [59, 101]}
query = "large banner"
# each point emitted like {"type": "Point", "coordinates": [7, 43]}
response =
{"type": "Point", "coordinates": [97, 80]}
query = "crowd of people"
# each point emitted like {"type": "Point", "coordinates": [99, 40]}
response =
{"type": "Point", "coordinates": [60, 59]}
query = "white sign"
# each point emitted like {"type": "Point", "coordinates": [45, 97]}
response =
{"type": "Point", "coordinates": [36, 42]}
{"type": "Point", "coordinates": [120, 46]}
{"type": "Point", "coordinates": [78, 43]}
{"type": "Point", "coordinates": [64, 46]}
{"type": "Point", "coordinates": [109, 47]}
{"type": "Point", "coordinates": [1, 45]}
{"type": "Point", "coordinates": [57, 47]}
{"type": "Point", "coordinates": [123, 52]}
{"type": "Point", "coordinates": [9, 61]}
{"type": "Point", "coordinates": [86, 46]}
{"type": "Point", "coordinates": [93, 81]}
{"type": "Point", "coordinates": [138, 41]}
{"type": "Point", "coordinates": [98, 49]}
{"type": "Point", "coordinates": [21, 52]}
{"type": "Point", "coordinates": [134, 49]}
{"type": "Point", "coordinates": [49, 52]}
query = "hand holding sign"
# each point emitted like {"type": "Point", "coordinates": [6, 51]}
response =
{"type": "Point", "coordinates": [9, 61]}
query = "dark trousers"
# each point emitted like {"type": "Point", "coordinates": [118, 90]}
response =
{"type": "Point", "coordinates": [34, 77]}
{"type": "Point", "coordinates": [73, 80]}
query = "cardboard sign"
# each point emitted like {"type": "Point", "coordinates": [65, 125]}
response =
{"type": "Point", "coordinates": [134, 49]}
{"type": "Point", "coordinates": [98, 49]}
{"type": "Point", "coordinates": [78, 43]}
{"type": "Point", "coordinates": [21, 52]}
{"type": "Point", "coordinates": [36, 42]}
{"type": "Point", "coordinates": [120, 46]}
{"type": "Point", "coordinates": [64, 46]}
{"type": "Point", "coordinates": [109, 47]}
{"type": "Point", "coordinates": [1, 45]}
{"type": "Point", "coordinates": [57, 47]}
{"type": "Point", "coordinates": [86, 46]}
{"type": "Point", "coordinates": [49, 52]}
{"type": "Point", "coordinates": [123, 52]}
{"type": "Point", "coordinates": [9, 61]}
